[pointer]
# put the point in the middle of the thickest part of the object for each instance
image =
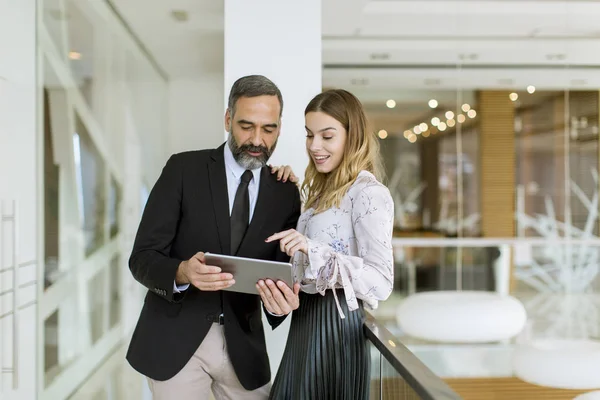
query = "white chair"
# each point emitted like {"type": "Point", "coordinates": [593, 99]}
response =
{"type": "Point", "coordinates": [461, 316]}
{"type": "Point", "coordinates": [559, 363]}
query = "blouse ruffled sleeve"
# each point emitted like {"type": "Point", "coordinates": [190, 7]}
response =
{"type": "Point", "coordinates": [370, 275]}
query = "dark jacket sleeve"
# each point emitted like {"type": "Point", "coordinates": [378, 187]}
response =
{"type": "Point", "coordinates": [150, 261]}
{"type": "Point", "coordinates": [291, 223]}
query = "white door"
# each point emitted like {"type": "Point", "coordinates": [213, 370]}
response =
{"type": "Point", "coordinates": [18, 292]}
{"type": "Point", "coordinates": [18, 200]}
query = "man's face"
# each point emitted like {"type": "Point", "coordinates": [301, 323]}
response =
{"type": "Point", "coordinates": [253, 130]}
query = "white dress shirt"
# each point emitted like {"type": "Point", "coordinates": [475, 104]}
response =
{"type": "Point", "coordinates": [234, 172]}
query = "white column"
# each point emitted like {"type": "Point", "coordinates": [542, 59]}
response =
{"type": "Point", "coordinates": [282, 41]}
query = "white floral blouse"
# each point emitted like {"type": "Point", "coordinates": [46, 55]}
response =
{"type": "Point", "coordinates": [350, 247]}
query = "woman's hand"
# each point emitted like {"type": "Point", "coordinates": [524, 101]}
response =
{"type": "Point", "coordinates": [284, 173]}
{"type": "Point", "coordinates": [290, 242]}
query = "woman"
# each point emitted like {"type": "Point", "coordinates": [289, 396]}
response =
{"type": "Point", "coordinates": [341, 254]}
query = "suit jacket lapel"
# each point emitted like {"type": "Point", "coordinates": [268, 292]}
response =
{"type": "Point", "coordinates": [264, 203]}
{"type": "Point", "coordinates": [220, 198]}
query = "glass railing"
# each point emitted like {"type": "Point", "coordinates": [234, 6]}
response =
{"type": "Point", "coordinates": [481, 312]}
{"type": "Point", "coordinates": [396, 373]}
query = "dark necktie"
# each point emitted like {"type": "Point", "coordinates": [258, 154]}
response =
{"type": "Point", "coordinates": [240, 214]}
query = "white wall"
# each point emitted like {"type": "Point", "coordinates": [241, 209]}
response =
{"type": "Point", "coordinates": [196, 113]}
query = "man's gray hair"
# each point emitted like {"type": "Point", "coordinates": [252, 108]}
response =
{"type": "Point", "coordinates": [253, 86]}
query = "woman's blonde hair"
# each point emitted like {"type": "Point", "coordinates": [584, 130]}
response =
{"type": "Point", "coordinates": [361, 152]}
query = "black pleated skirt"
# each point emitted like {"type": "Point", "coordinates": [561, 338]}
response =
{"type": "Point", "coordinates": [326, 357]}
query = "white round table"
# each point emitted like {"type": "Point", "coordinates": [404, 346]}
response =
{"type": "Point", "coordinates": [559, 363]}
{"type": "Point", "coordinates": [461, 316]}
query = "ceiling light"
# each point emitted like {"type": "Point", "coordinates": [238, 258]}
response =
{"type": "Point", "coordinates": [390, 103]}
{"type": "Point", "coordinates": [530, 89]}
{"type": "Point", "coordinates": [451, 123]}
{"type": "Point", "coordinates": [465, 107]}
{"type": "Point", "coordinates": [407, 133]}
{"type": "Point", "coordinates": [359, 81]}
{"type": "Point", "coordinates": [423, 126]}
{"type": "Point", "coordinates": [180, 15]}
{"type": "Point", "coordinates": [380, 56]}
{"type": "Point", "coordinates": [426, 134]}
{"type": "Point", "coordinates": [412, 138]}
{"type": "Point", "coordinates": [435, 121]}
{"type": "Point", "coordinates": [432, 82]}
{"type": "Point", "coordinates": [442, 126]}
{"type": "Point", "coordinates": [449, 114]}
{"type": "Point", "coordinates": [382, 134]}
{"type": "Point", "coordinates": [461, 118]}
{"type": "Point", "coordinates": [578, 82]}
{"type": "Point", "coordinates": [73, 55]}
{"type": "Point", "coordinates": [433, 103]}
{"type": "Point", "coordinates": [417, 129]}
{"type": "Point", "coordinates": [513, 96]}
{"type": "Point", "coordinates": [472, 113]}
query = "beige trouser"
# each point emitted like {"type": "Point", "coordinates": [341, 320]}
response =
{"type": "Point", "coordinates": [209, 368]}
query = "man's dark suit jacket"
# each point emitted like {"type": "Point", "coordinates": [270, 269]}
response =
{"type": "Point", "coordinates": [187, 212]}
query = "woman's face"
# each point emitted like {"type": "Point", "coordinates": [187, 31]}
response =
{"type": "Point", "coordinates": [325, 141]}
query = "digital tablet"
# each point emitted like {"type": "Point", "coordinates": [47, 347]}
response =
{"type": "Point", "coordinates": [248, 271]}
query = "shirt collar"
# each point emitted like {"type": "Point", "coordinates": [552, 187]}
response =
{"type": "Point", "coordinates": [236, 169]}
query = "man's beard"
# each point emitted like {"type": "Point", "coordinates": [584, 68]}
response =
{"type": "Point", "coordinates": [241, 156]}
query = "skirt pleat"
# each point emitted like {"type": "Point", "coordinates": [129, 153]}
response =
{"type": "Point", "coordinates": [326, 357]}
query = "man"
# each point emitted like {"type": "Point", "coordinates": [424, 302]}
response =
{"type": "Point", "coordinates": [192, 336]}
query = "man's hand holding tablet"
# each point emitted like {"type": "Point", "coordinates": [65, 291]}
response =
{"type": "Point", "coordinates": [279, 299]}
{"type": "Point", "coordinates": [205, 277]}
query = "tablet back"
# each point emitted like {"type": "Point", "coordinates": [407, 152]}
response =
{"type": "Point", "coordinates": [248, 271]}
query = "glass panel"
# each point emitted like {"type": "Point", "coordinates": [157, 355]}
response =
{"type": "Point", "coordinates": [418, 147]}
{"type": "Point", "coordinates": [375, 389]}
{"type": "Point", "coordinates": [91, 184]}
{"type": "Point", "coordinates": [114, 204]}
{"type": "Point", "coordinates": [115, 292]}
{"type": "Point", "coordinates": [540, 163]}
{"type": "Point", "coordinates": [583, 162]}
{"type": "Point", "coordinates": [51, 344]}
{"type": "Point", "coordinates": [97, 303]}
{"type": "Point", "coordinates": [393, 385]}
{"type": "Point", "coordinates": [51, 200]}
{"type": "Point", "coordinates": [61, 339]}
